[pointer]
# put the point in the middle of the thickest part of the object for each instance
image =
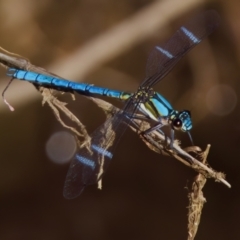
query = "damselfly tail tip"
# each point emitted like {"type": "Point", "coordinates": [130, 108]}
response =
{"type": "Point", "coordinates": [4, 99]}
{"type": "Point", "coordinates": [8, 104]}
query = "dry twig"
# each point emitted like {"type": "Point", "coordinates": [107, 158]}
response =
{"type": "Point", "coordinates": [156, 140]}
{"type": "Point", "coordinates": [196, 200]}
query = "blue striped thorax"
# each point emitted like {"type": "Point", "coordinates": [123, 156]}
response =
{"type": "Point", "coordinates": [157, 107]}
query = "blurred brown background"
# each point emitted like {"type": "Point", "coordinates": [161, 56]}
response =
{"type": "Point", "coordinates": [144, 195]}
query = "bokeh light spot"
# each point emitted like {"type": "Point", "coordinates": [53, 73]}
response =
{"type": "Point", "coordinates": [221, 99]}
{"type": "Point", "coordinates": [61, 147]}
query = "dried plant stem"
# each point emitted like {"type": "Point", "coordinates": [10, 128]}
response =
{"type": "Point", "coordinates": [196, 201]}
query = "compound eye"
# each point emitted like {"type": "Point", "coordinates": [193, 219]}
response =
{"type": "Point", "coordinates": [177, 123]}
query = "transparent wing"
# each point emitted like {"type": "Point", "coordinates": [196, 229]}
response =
{"type": "Point", "coordinates": [88, 165]}
{"type": "Point", "coordinates": [164, 57]}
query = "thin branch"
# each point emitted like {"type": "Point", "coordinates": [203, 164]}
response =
{"type": "Point", "coordinates": [196, 200]}
{"type": "Point", "coordinates": [155, 140]}
{"type": "Point", "coordinates": [158, 142]}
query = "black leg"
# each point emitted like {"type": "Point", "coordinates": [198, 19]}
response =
{"type": "Point", "coordinates": [189, 134]}
{"type": "Point", "coordinates": [139, 117]}
{"type": "Point", "coordinates": [156, 127]}
{"type": "Point", "coordinates": [172, 138]}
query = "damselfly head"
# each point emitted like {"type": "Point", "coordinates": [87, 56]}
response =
{"type": "Point", "coordinates": [182, 121]}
